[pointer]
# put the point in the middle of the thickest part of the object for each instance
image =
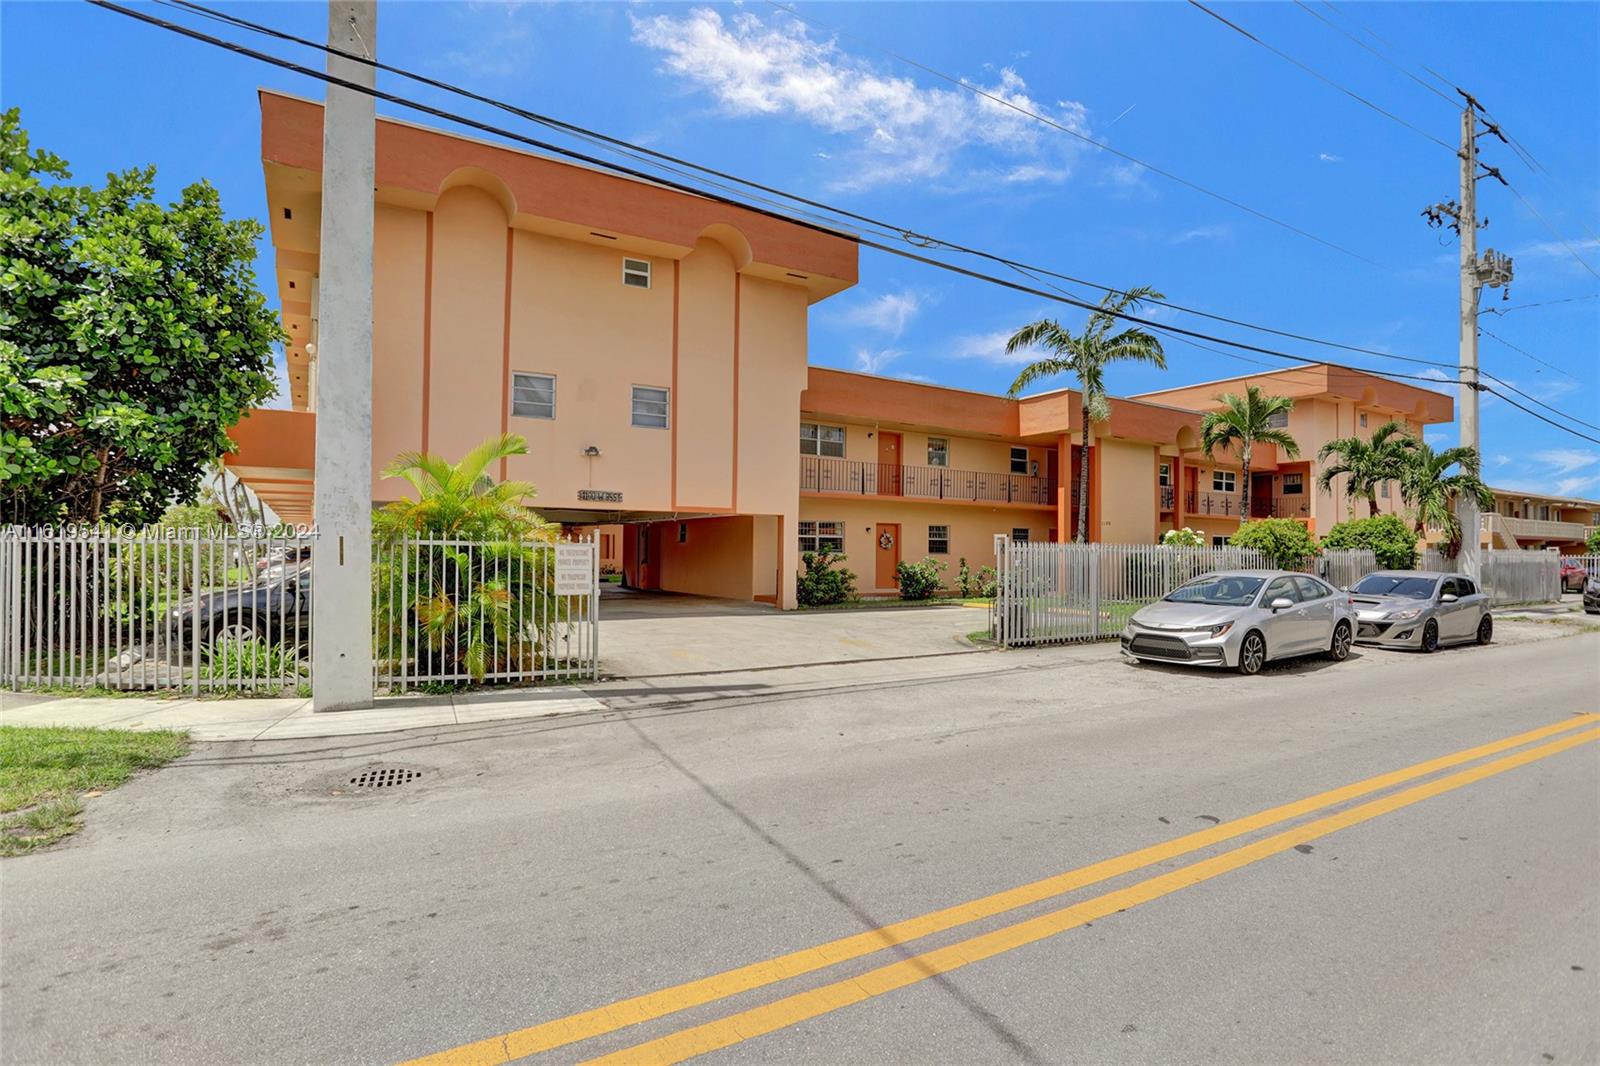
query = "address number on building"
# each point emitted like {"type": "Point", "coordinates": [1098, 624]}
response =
{"type": "Point", "coordinates": [574, 569]}
{"type": "Point", "coordinates": [600, 495]}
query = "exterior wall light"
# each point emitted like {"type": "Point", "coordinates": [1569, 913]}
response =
{"type": "Point", "coordinates": [592, 452]}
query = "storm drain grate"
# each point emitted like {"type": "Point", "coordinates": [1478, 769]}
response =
{"type": "Point", "coordinates": [384, 777]}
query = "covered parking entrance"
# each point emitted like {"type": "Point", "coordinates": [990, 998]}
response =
{"type": "Point", "coordinates": [730, 557]}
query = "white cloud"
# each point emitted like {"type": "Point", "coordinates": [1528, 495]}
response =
{"type": "Point", "coordinates": [1553, 248]}
{"type": "Point", "coordinates": [1500, 460]}
{"type": "Point", "coordinates": [1567, 460]}
{"type": "Point", "coordinates": [1203, 233]}
{"type": "Point", "coordinates": [990, 348]}
{"type": "Point", "coordinates": [1577, 486]}
{"type": "Point", "coordinates": [1329, 157]}
{"type": "Point", "coordinates": [1435, 374]}
{"type": "Point", "coordinates": [874, 362]}
{"type": "Point", "coordinates": [899, 131]}
{"type": "Point", "coordinates": [890, 313]}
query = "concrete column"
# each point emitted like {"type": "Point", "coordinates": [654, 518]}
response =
{"type": "Point", "coordinates": [341, 657]}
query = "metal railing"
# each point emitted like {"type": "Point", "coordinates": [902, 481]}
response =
{"type": "Point", "coordinates": [454, 612]}
{"type": "Point", "coordinates": [1293, 506]}
{"type": "Point", "coordinates": [1167, 498]}
{"type": "Point", "coordinates": [1211, 503]}
{"type": "Point", "coordinates": [187, 610]}
{"type": "Point", "coordinates": [854, 477]}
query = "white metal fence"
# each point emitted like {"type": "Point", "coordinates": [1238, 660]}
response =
{"type": "Point", "coordinates": [452, 612]}
{"type": "Point", "coordinates": [224, 610]}
{"type": "Point", "coordinates": [1508, 575]}
{"type": "Point", "coordinates": [188, 610]}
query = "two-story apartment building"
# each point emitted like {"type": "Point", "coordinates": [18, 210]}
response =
{"type": "Point", "coordinates": [1532, 520]}
{"type": "Point", "coordinates": [651, 347]}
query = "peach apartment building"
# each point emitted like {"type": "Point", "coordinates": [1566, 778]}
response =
{"type": "Point", "coordinates": [651, 346]}
{"type": "Point", "coordinates": [1531, 520]}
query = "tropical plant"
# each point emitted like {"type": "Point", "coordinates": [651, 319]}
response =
{"type": "Point", "coordinates": [132, 336]}
{"type": "Point", "coordinates": [1591, 543]}
{"type": "Point", "coordinates": [1287, 542]}
{"type": "Point", "coordinates": [1432, 482]}
{"type": "Point", "coordinates": [1244, 422]}
{"type": "Point", "coordinates": [1085, 355]}
{"type": "Point", "coordinates": [824, 581]}
{"type": "Point", "coordinates": [1183, 538]}
{"type": "Point", "coordinates": [919, 581]}
{"type": "Point", "coordinates": [1369, 463]}
{"type": "Point", "coordinates": [1388, 537]}
{"type": "Point", "coordinates": [465, 578]}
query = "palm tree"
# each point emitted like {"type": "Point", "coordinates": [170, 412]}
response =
{"type": "Point", "coordinates": [1430, 490]}
{"type": "Point", "coordinates": [1246, 421]}
{"type": "Point", "coordinates": [460, 500]}
{"type": "Point", "coordinates": [1085, 355]}
{"type": "Point", "coordinates": [1369, 463]}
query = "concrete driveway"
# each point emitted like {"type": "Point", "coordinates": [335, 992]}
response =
{"type": "Point", "coordinates": [651, 634]}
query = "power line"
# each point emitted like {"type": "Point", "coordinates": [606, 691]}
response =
{"type": "Point", "coordinates": [1542, 303]}
{"type": "Point", "coordinates": [1530, 355]}
{"type": "Point", "coordinates": [1542, 418]}
{"type": "Point", "coordinates": [1547, 407]}
{"type": "Point", "coordinates": [415, 105]}
{"type": "Point", "coordinates": [1323, 77]}
{"type": "Point", "coordinates": [1069, 131]}
{"type": "Point", "coordinates": [887, 229]}
{"type": "Point", "coordinates": [1446, 97]}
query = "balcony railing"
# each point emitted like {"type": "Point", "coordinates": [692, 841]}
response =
{"type": "Point", "coordinates": [1167, 497]}
{"type": "Point", "coordinates": [1295, 506]}
{"type": "Point", "coordinates": [1226, 504]}
{"type": "Point", "coordinates": [856, 478]}
{"type": "Point", "coordinates": [1535, 528]}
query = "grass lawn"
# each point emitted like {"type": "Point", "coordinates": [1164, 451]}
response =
{"type": "Point", "coordinates": [46, 772]}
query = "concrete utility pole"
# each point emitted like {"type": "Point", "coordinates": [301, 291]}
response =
{"type": "Point", "coordinates": [341, 654]}
{"type": "Point", "coordinates": [1493, 270]}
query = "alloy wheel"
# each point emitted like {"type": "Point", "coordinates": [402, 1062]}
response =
{"type": "Point", "coordinates": [1252, 654]}
{"type": "Point", "coordinates": [1430, 636]}
{"type": "Point", "coordinates": [1339, 650]}
{"type": "Point", "coordinates": [1486, 629]}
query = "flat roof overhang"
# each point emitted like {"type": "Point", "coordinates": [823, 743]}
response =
{"type": "Point", "coordinates": [275, 455]}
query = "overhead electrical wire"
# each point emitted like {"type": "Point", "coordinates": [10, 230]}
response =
{"type": "Point", "coordinates": [449, 116]}
{"type": "Point", "coordinates": [1542, 303]}
{"type": "Point", "coordinates": [1530, 355]}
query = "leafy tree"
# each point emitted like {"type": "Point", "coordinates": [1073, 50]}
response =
{"type": "Point", "coordinates": [1430, 489]}
{"type": "Point", "coordinates": [487, 607]}
{"type": "Point", "coordinates": [823, 582]}
{"type": "Point", "coordinates": [1592, 543]}
{"type": "Point", "coordinates": [1389, 537]}
{"type": "Point", "coordinates": [1369, 463]}
{"type": "Point", "coordinates": [1085, 355]}
{"type": "Point", "coordinates": [1244, 422]}
{"type": "Point", "coordinates": [132, 336]}
{"type": "Point", "coordinates": [1286, 542]}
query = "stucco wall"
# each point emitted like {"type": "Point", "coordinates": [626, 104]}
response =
{"type": "Point", "coordinates": [468, 320]}
{"type": "Point", "coordinates": [399, 279]}
{"type": "Point", "coordinates": [716, 559]}
{"type": "Point", "coordinates": [1127, 492]}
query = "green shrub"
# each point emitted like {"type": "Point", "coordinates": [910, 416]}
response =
{"type": "Point", "coordinates": [1389, 537]}
{"type": "Point", "coordinates": [1593, 543]}
{"type": "Point", "coordinates": [1183, 538]}
{"type": "Point", "coordinates": [248, 661]}
{"type": "Point", "coordinates": [821, 583]}
{"type": "Point", "coordinates": [919, 581]}
{"type": "Point", "coordinates": [987, 582]}
{"type": "Point", "coordinates": [1286, 542]}
{"type": "Point", "coordinates": [964, 578]}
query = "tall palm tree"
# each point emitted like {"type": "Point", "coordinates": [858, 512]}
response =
{"type": "Point", "coordinates": [460, 499]}
{"type": "Point", "coordinates": [1430, 490]}
{"type": "Point", "coordinates": [1369, 463]}
{"type": "Point", "coordinates": [1085, 356]}
{"type": "Point", "coordinates": [1246, 421]}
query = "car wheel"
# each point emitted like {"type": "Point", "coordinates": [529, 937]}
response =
{"type": "Point", "coordinates": [1339, 650]}
{"type": "Point", "coordinates": [1485, 629]}
{"type": "Point", "coordinates": [236, 629]}
{"type": "Point", "coordinates": [1430, 636]}
{"type": "Point", "coordinates": [1252, 653]}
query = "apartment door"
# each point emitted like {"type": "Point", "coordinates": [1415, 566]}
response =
{"type": "Point", "coordinates": [889, 465]}
{"type": "Point", "coordinates": [888, 541]}
{"type": "Point", "coordinates": [1261, 501]}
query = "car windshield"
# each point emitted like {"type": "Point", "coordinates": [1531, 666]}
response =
{"type": "Point", "coordinates": [1412, 588]}
{"type": "Point", "coordinates": [1224, 591]}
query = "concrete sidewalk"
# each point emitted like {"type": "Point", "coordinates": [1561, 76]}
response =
{"type": "Point", "coordinates": [285, 719]}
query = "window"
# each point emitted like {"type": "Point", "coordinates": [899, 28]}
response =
{"type": "Point", "coordinates": [1293, 484]}
{"type": "Point", "coordinates": [533, 395]}
{"type": "Point", "coordinates": [1449, 587]}
{"type": "Point", "coordinates": [1383, 490]}
{"type": "Point", "coordinates": [650, 407]}
{"type": "Point", "coordinates": [636, 273]}
{"type": "Point", "coordinates": [683, 532]}
{"type": "Point", "coordinates": [1219, 542]}
{"type": "Point", "coordinates": [1311, 589]}
{"type": "Point", "coordinates": [1224, 481]}
{"type": "Point", "coordinates": [821, 440]}
{"type": "Point", "coordinates": [821, 536]}
{"type": "Point", "coordinates": [1363, 420]}
{"type": "Point", "coordinates": [1165, 475]}
{"type": "Point", "coordinates": [1280, 420]}
{"type": "Point", "coordinates": [938, 451]}
{"type": "Point", "coordinates": [1465, 587]}
{"type": "Point", "coordinates": [1280, 589]}
{"type": "Point", "coordinates": [938, 540]}
{"type": "Point", "coordinates": [1019, 460]}
{"type": "Point", "coordinates": [1019, 536]}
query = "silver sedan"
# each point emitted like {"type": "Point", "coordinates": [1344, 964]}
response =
{"type": "Point", "coordinates": [1243, 619]}
{"type": "Point", "coordinates": [1420, 609]}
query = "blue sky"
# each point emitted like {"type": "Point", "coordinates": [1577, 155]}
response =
{"type": "Point", "coordinates": [749, 89]}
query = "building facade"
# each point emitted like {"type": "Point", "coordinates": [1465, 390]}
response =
{"type": "Point", "coordinates": [651, 346]}
{"type": "Point", "coordinates": [1531, 520]}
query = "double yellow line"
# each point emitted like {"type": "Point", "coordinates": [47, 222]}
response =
{"type": "Point", "coordinates": [756, 1021]}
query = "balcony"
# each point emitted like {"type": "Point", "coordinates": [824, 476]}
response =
{"type": "Point", "coordinates": [1513, 530]}
{"type": "Point", "coordinates": [1226, 505]}
{"type": "Point", "coordinates": [855, 478]}
{"type": "Point", "coordinates": [1167, 498]}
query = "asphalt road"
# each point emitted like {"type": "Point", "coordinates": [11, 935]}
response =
{"type": "Point", "coordinates": [231, 908]}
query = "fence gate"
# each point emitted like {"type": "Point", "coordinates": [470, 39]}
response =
{"type": "Point", "coordinates": [1508, 575]}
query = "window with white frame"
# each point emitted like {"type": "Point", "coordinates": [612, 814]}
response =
{"type": "Point", "coordinates": [533, 395]}
{"type": "Point", "coordinates": [938, 540]}
{"type": "Point", "coordinates": [1164, 477]}
{"type": "Point", "coordinates": [1383, 490]}
{"type": "Point", "coordinates": [1219, 542]}
{"type": "Point", "coordinates": [636, 273]}
{"type": "Point", "coordinates": [1293, 484]}
{"type": "Point", "coordinates": [1363, 420]}
{"type": "Point", "coordinates": [650, 406]}
{"type": "Point", "coordinates": [1224, 481]}
{"type": "Point", "coordinates": [1278, 420]}
{"type": "Point", "coordinates": [938, 451]}
{"type": "Point", "coordinates": [821, 440]}
{"type": "Point", "coordinates": [1019, 460]}
{"type": "Point", "coordinates": [1019, 535]}
{"type": "Point", "coordinates": [821, 536]}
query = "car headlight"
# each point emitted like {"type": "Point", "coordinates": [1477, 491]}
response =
{"type": "Point", "coordinates": [1401, 616]}
{"type": "Point", "coordinates": [1220, 630]}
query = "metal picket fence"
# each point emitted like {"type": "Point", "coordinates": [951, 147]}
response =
{"type": "Point", "coordinates": [1508, 575]}
{"type": "Point", "coordinates": [451, 612]}
{"type": "Point", "coordinates": [186, 610]}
